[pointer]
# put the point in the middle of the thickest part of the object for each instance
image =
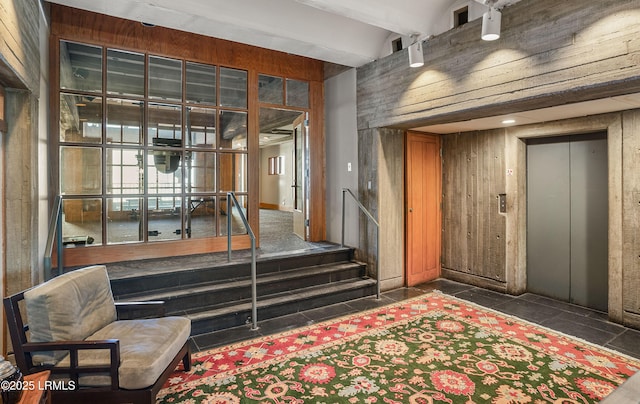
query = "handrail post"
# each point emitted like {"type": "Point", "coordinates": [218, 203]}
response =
{"type": "Point", "coordinates": [231, 197]}
{"type": "Point", "coordinates": [229, 207]}
{"type": "Point", "coordinates": [378, 264]}
{"type": "Point", "coordinates": [371, 218]}
{"type": "Point", "coordinates": [60, 246]}
{"type": "Point", "coordinates": [54, 234]}
{"type": "Point", "coordinates": [343, 214]}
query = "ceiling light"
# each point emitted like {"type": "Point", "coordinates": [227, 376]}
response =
{"type": "Point", "coordinates": [509, 121]}
{"type": "Point", "coordinates": [416, 58]}
{"type": "Point", "coordinates": [491, 22]}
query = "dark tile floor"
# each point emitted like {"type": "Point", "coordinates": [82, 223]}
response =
{"type": "Point", "coordinates": [589, 325]}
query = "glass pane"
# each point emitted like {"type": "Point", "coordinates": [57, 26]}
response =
{"type": "Point", "coordinates": [201, 127]}
{"type": "Point", "coordinates": [80, 118]}
{"type": "Point", "coordinates": [80, 67]}
{"type": "Point", "coordinates": [124, 121]}
{"type": "Point", "coordinates": [202, 172]}
{"type": "Point", "coordinates": [233, 172]}
{"type": "Point", "coordinates": [201, 217]}
{"type": "Point", "coordinates": [233, 88]}
{"type": "Point", "coordinates": [81, 222]}
{"type": "Point", "coordinates": [233, 130]}
{"type": "Point", "coordinates": [165, 125]}
{"type": "Point", "coordinates": [201, 83]}
{"type": "Point", "coordinates": [165, 78]}
{"type": "Point", "coordinates": [237, 226]}
{"type": "Point", "coordinates": [164, 215]}
{"type": "Point", "coordinates": [80, 170]}
{"type": "Point", "coordinates": [125, 73]}
{"type": "Point", "coordinates": [270, 89]}
{"type": "Point", "coordinates": [164, 172]}
{"type": "Point", "coordinates": [124, 224]}
{"type": "Point", "coordinates": [124, 173]}
{"type": "Point", "coordinates": [297, 93]}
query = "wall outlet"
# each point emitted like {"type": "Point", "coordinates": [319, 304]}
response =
{"type": "Point", "coordinates": [349, 166]}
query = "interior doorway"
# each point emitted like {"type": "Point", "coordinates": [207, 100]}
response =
{"type": "Point", "coordinates": [283, 180]}
{"type": "Point", "coordinates": [567, 219]}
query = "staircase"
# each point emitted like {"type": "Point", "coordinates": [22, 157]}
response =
{"type": "Point", "coordinates": [218, 296]}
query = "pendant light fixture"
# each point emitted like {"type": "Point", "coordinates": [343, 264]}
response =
{"type": "Point", "coordinates": [416, 57]}
{"type": "Point", "coordinates": [491, 21]}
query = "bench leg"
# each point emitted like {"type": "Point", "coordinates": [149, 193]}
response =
{"type": "Point", "coordinates": [186, 360]}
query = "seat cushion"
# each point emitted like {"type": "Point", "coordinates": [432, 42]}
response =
{"type": "Point", "coordinates": [69, 307]}
{"type": "Point", "coordinates": [146, 348]}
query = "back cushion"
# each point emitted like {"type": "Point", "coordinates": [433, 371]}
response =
{"type": "Point", "coordinates": [70, 307]}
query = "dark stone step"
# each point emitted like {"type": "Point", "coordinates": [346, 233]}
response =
{"type": "Point", "coordinates": [158, 277]}
{"type": "Point", "coordinates": [183, 299]}
{"type": "Point", "coordinates": [239, 313]}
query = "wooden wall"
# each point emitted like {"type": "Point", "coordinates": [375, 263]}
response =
{"type": "Point", "coordinates": [473, 230]}
{"type": "Point", "coordinates": [82, 26]}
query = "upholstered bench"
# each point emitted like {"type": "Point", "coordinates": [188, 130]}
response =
{"type": "Point", "coordinates": [74, 332]}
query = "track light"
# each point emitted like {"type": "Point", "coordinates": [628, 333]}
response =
{"type": "Point", "coordinates": [416, 58]}
{"type": "Point", "coordinates": [491, 22]}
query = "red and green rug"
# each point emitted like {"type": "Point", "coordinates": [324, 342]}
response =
{"type": "Point", "coordinates": [431, 349]}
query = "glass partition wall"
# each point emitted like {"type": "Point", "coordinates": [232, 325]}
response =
{"type": "Point", "coordinates": [148, 146]}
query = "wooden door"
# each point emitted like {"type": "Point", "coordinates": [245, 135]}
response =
{"type": "Point", "coordinates": [423, 214]}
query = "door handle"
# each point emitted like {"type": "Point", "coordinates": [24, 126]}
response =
{"type": "Point", "coordinates": [410, 210]}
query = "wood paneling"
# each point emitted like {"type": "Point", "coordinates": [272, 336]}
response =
{"type": "Point", "coordinates": [473, 231]}
{"type": "Point", "coordinates": [80, 256]}
{"type": "Point", "coordinates": [86, 27]}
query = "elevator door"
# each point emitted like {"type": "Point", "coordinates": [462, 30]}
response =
{"type": "Point", "coordinates": [567, 219]}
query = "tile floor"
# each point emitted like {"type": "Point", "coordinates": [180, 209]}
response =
{"type": "Point", "coordinates": [578, 321]}
{"type": "Point", "coordinates": [584, 323]}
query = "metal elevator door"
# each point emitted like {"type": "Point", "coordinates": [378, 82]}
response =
{"type": "Point", "coordinates": [567, 219]}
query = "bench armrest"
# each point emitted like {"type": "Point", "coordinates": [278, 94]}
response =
{"type": "Point", "coordinates": [73, 347]}
{"type": "Point", "coordinates": [137, 310]}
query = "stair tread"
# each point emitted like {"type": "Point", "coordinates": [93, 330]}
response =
{"type": "Point", "coordinates": [167, 293]}
{"type": "Point", "coordinates": [281, 298]}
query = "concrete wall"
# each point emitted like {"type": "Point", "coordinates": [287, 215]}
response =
{"type": "Point", "coordinates": [341, 150]}
{"type": "Point", "coordinates": [23, 72]}
{"type": "Point", "coordinates": [549, 54]}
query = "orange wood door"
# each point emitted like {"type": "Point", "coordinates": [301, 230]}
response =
{"type": "Point", "coordinates": [423, 207]}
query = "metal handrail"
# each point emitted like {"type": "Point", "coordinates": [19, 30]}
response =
{"type": "Point", "coordinates": [231, 197]}
{"type": "Point", "coordinates": [54, 234]}
{"type": "Point", "coordinates": [370, 216]}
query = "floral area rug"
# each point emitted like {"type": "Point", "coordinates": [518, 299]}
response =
{"type": "Point", "coordinates": [431, 349]}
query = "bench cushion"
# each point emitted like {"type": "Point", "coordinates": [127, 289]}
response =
{"type": "Point", "coordinates": [146, 349]}
{"type": "Point", "coordinates": [70, 307]}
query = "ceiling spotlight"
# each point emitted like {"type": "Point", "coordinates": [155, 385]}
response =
{"type": "Point", "coordinates": [491, 22]}
{"type": "Point", "coordinates": [416, 58]}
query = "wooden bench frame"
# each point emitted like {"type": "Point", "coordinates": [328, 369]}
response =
{"type": "Point", "coordinates": [23, 349]}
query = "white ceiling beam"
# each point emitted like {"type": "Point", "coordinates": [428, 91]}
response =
{"type": "Point", "coordinates": [405, 17]}
{"type": "Point", "coordinates": [277, 24]}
